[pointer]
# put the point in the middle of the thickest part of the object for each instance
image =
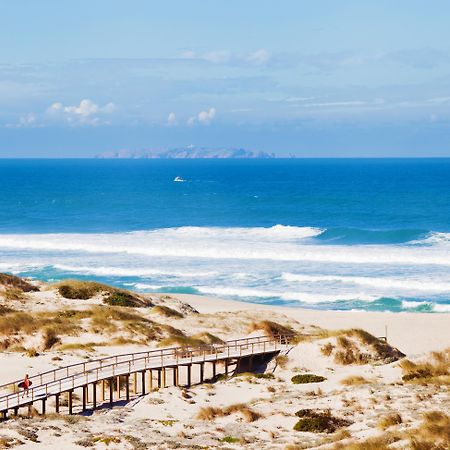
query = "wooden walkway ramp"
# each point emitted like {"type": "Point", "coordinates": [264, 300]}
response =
{"type": "Point", "coordinates": [116, 377]}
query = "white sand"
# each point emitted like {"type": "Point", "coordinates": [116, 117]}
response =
{"type": "Point", "coordinates": [413, 333]}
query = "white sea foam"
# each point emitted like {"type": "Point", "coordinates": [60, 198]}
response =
{"type": "Point", "coordinates": [131, 271]}
{"type": "Point", "coordinates": [439, 307]}
{"type": "Point", "coordinates": [406, 284]}
{"type": "Point", "coordinates": [410, 304]}
{"type": "Point", "coordinates": [304, 297]}
{"type": "Point", "coordinates": [277, 243]}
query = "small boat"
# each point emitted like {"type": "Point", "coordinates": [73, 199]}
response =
{"type": "Point", "coordinates": [178, 179]}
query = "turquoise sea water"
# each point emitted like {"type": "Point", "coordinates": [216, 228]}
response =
{"type": "Point", "coordinates": [329, 234]}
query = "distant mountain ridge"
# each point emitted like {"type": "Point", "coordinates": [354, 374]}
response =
{"type": "Point", "coordinates": [188, 153]}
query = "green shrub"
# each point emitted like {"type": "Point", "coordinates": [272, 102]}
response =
{"type": "Point", "coordinates": [307, 378]}
{"type": "Point", "coordinates": [318, 421]}
{"type": "Point", "coordinates": [229, 439]}
{"type": "Point", "coordinates": [83, 290]}
{"type": "Point", "coordinates": [122, 298]}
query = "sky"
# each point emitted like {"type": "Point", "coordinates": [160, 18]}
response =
{"type": "Point", "coordinates": [311, 78]}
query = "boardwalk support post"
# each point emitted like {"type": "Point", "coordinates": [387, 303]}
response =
{"type": "Point", "coordinates": [127, 387]}
{"type": "Point", "coordinates": [202, 372]}
{"type": "Point", "coordinates": [70, 402]}
{"type": "Point", "coordinates": [94, 395]}
{"type": "Point", "coordinates": [111, 392]}
{"type": "Point", "coordinates": [143, 382]}
{"type": "Point", "coordinates": [150, 380]}
{"type": "Point", "coordinates": [43, 406]}
{"type": "Point", "coordinates": [159, 378]}
{"type": "Point", "coordinates": [163, 377]}
{"type": "Point", "coordinates": [175, 376]}
{"type": "Point", "coordinates": [118, 387]}
{"type": "Point", "coordinates": [189, 381]}
{"type": "Point", "coordinates": [84, 398]}
{"type": "Point", "coordinates": [57, 403]}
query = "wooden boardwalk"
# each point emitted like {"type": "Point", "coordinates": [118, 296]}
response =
{"type": "Point", "coordinates": [117, 377]}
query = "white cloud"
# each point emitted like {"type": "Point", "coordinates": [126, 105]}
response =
{"type": "Point", "coordinates": [203, 117]}
{"type": "Point", "coordinates": [256, 58]}
{"type": "Point", "coordinates": [87, 112]}
{"type": "Point", "coordinates": [171, 119]}
{"type": "Point", "coordinates": [206, 117]}
{"type": "Point", "coordinates": [259, 57]}
{"type": "Point", "coordinates": [29, 120]}
{"type": "Point", "coordinates": [191, 121]}
{"type": "Point", "coordinates": [218, 56]}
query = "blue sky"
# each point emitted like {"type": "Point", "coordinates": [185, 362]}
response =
{"type": "Point", "coordinates": [316, 78]}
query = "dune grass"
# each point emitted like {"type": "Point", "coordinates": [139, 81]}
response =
{"type": "Point", "coordinates": [272, 329]}
{"type": "Point", "coordinates": [355, 380]}
{"type": "Point", "coordinates": [81, 290]}
{"type": "Point", "coordinates": [85, 290]}
{"type": "Point", "coordinates": [14, 282]}
{"type": "Point", "coordinates": [390, 420]}
{"type": "Point", "coordinates": [436, 370]}
{"type": "Point", "coordinates": [357, 346]}
{"type": "Point", "coordinates": [433, 433]}
{"type": "Point", "coordinates": [165, 311]}
{"type": "Point", "coordinates": [210, 413]}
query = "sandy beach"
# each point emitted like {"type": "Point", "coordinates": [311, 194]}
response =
{"type": "Point", "coordinates": [335, 386]}
{"type": "Point", "coordinates": [414, 333]}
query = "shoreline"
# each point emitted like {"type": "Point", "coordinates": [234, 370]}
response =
{"type": "Point", "coordinates": [412, 332]}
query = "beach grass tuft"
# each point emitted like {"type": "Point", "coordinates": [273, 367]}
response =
{"type": "Point", "coordinates": [165, 311]}
{"type": "Point", "coordinates": [210, 413]}
{"type": "Point", "coordinates": [272, 329]}
{"type": "Point", "coordinates": [436, 370]}
{"type": "Point", "coordinates": [13, 282]}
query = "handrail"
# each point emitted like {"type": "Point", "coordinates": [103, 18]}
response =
{"type": "Point", "coordinates": [123, 365]}
{"type": "Point", "coordinates": [100, 361]}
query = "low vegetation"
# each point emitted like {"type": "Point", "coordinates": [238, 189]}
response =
{"type": "Point", "coordinates": [272, 329]}
{"type": "Point", "coordinates": [318, 421]}
{"type": "Point", "coordinates": [433, 433]}
{"type": "Point", "coordinates": [81, 290]}
{"type": "Point", "coordinates": [436, 370]}
{"type": "Point", "coordinates": [307, 378]}
{"type": "Point", "coordinates": [211, 413]}
{"type": "Point", "coordinates": [165, 311]}
{"type": "Point", "coordinates": [85, 290]}
{"type": "Point", "coordinates": [8, 281]}
{"type": "Point", "coordinates": [357, 346]}
{"type": "Point", "coordinates": [390, 420]}
{"type": "Point", "coordinates": [355, 380]}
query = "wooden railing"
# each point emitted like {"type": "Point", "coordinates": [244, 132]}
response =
{"type": "Point", "coordinates": [77, 375]}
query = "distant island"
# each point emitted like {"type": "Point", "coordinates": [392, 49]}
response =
{"type": "Point", "coordinates": [188, 153]}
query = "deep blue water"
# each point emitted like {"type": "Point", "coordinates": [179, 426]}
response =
{"type": "Point", "coordinates": [325, 233]}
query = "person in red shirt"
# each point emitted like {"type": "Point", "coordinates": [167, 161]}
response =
{"type": "Point", "coordinates": [26, 385]}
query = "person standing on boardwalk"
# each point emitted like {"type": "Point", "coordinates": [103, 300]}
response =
{"type": "Point", "coordinates": [26, 385]}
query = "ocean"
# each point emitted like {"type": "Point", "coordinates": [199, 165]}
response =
{"type": "Point", "coordinates": [340, 234]}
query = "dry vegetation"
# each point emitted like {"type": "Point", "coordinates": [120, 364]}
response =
{"type": "Point", "coordinates": [211, 413]}
{"type": "Point", "coordinates": [12, 282]}
{"type": "Point", "coordinates": [360, 347]}
{"type": "Point", "coordinates": [85, 290]}
{"type": "Point", "coordinates": [272, 329]}
{"type": "Point", "coordinates": [435, 371]}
